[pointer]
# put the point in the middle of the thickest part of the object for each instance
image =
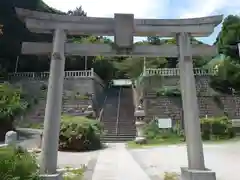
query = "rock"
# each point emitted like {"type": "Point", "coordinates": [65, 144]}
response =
{"type": "Point", "coordinates": [11, 138]}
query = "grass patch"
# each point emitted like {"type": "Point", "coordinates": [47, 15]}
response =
{"type": "Point", "coordinates": [175, 140]}
{"type": "Point", "coordinates": [171, 176]}
{"type": "Point", "coordinates": [213, 130]}
{"type": "Point", "coordinates": [74, 174]}
{"type": "Point", "coordinates": [157, 142]}
{"type": "Point", "coordinates": [220, 141]}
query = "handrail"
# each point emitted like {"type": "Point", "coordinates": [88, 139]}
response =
{"type": "Point", "coordinates": [102, 109]}
{"type": "Point", "coordinates": [119, 101]}
{"type": "Point", "coordinates": [135, 96]}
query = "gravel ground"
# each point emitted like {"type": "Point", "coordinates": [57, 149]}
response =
{"type": "Point", "coordinates": [224, 159]}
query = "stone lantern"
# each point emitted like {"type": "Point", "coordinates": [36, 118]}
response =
{"type": "Point", "coordinates": [140, 114]}
{"type": "Point", "coordinates": [89, 111]}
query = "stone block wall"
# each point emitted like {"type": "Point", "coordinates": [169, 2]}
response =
{"type": "Point", "coordinates": [71, 87]}
{"type": "Point", "coordinates": [231, 106]}
{"type": "Point", "coordinates": [208, 107]}
{"type": "Point", "coordinates": [163, 107]}
{"type": "Point", "coordinates": [156, 82]}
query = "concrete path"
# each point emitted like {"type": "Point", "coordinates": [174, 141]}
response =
{"type": "Point", "coordinates": [115, 163]}
{"type": "Point", "coordinates": [224, 159]}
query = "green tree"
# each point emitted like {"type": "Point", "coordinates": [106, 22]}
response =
{"type": "Point", "coordinates": [229, 37]}
{"type": "Point", "coordinates": [154, 40]}
{"type": "Point", "coordinates": [77, 12]}
{"type": "Point", "coordinates": [228, 76]}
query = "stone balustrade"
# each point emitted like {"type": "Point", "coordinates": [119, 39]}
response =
{"type": "Point", "coordinates": [45, 75]}
{"type": "Point", "coordinates": [176, 72]}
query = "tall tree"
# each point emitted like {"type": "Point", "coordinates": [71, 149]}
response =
{"type": "Point", "coordinates": [154, 40]}
{"type": "Point", "coordinates": [77, 12]}
{"type": "Point", "coordinates": [229, 37]}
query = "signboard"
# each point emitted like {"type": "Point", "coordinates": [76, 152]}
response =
{"type": "Point", "coordinates": [165, 123]}
{"type": "Point", "coordinates": [122, 82]}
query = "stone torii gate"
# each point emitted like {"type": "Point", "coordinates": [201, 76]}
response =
{"type": "Point", "coordinates": [123, 27]}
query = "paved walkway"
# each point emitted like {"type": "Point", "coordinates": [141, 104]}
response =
{"type": "Point", "coordinates": [223, 158]}
{"type": "Point", "coordinates": [115, 163]}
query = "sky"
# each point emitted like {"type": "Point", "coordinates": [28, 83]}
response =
{"type": "Point", "coordinates": [160, 9]}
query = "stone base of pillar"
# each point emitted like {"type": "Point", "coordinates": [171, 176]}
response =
{"type": "Point", "coordinates": [189, 174]}
{"type": "Point", "coordinates": [57, 176]}
{"type": "Point", "coordinates": [140, 140]}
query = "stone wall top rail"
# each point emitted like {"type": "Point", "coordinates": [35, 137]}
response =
{"type": "Point", "coordinates": [176, 72]}
{"type": "Point", "coordinates": [42, 75]}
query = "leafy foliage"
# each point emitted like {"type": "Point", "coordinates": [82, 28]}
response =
{"type": "Point", "coordinates": [77, 12]}
{"type": "Point", "coordinates": [216, 128]}
{"type": "Point", "coordinates": [79, 134]}
{"type": "Point", "coordinates": [227, 79]}
{"type": "Point", "coordinates": [168, 91]}
{"type": "Point", "coordinates": [11, 103]}
{"type": "Point", "coordinates": [17, 164]}
{"type": "Point", "coordinates": [213, 128]}
{"type": "Point", "coordinates": [229, 37]}
{"type": "Point", "coordinates": [152, 132]}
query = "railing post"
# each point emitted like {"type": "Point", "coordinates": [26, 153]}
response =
{"type": "Point", "coordinates": [92, 72]}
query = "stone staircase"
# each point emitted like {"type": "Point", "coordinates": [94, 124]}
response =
{"type": "Point", "coordinates": [126, 120]}
{"type": "Point", "coordinates": [110, 113]}
{"type": "Point", "coordinates": [118, 115]}
{"type": "Point", "coordinates": [36, 115]}
{"type": "Point", "coordinates": [75, 107]}
{"type": "Point", "coordinates": [71, 107]}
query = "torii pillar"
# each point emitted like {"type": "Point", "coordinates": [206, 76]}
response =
{"type": "Point", "coordinates": [196, 168]}
{"type": "Point", "coordinates": [48, 163]}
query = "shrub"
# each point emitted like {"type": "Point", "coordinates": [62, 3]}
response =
{"type": "Point", "coordinates": [168, 91]}
{"type": "Point", "coordinates": [213, 128]}
{"type": "Point", "coordinates": [216, 128]}
{"type": "Point", "coordinates": [79, 134]}
{"type": "Point", "coordinates": [17, 164]}
{"type": "Point", "coordinates": [11, 104]}
{"type": "Point", "coordinates": [177, 129]}
{"type": "Point", "coordinates": [152, 131]}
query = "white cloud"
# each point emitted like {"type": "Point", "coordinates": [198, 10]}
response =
{"type": "Point", "coordinates": [201, 8]}
{"type": "Point", "coordinates": [107, 8]}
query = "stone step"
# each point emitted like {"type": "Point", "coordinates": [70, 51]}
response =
{"type": "Point", "coordinates": [117, 138]}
